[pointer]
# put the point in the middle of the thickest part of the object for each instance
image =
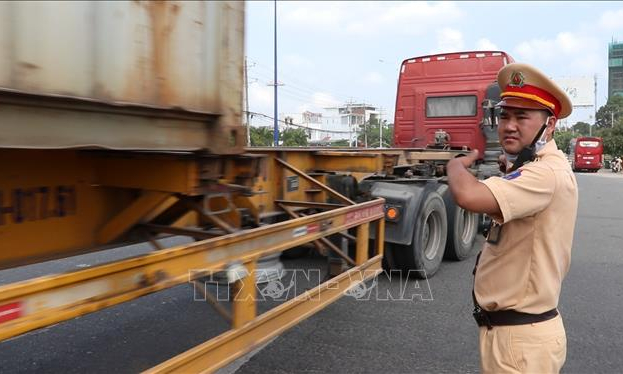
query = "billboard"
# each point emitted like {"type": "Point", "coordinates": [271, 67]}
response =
{"type": "Point", "coordinates": [581, 90]}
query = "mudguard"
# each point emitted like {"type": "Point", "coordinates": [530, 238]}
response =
{"type": "Point", "coordinates": [407, 197]}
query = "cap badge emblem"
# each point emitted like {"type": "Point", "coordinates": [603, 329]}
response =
{"type": "Point", "coordinates": [517, 79]}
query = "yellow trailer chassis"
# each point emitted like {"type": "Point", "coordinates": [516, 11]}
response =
{"type": "Point", "coordinates": [58, 203]}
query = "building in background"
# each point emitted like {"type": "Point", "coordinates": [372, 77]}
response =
{"type": "Point", "coordinates": [615, 69]}
{"type": "Point", "coordinates": [348, 119]}
{"type": "Point", "coordinates": [333, 124]}
{"type": "Point", "coordinates": [581, 91]}
{"type": "Point", "coordinates": [311, 121]}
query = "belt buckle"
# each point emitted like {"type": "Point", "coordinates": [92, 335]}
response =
{"type": "Point", "coordinates": [482, 319]}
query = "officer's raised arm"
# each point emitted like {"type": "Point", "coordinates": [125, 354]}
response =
{"type": "Point", "coordinates": [468, 192]}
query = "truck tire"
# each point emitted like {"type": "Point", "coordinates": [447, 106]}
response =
{"type": "Point", "coordinates": [423, 257]}
{"type": "Point", "coordinates": [462, 229]}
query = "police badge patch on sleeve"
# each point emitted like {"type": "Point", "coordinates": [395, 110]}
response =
{"type": "Point", "coordinates": [512, 175]}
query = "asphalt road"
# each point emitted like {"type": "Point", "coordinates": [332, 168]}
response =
{"type": "Point", "coordinates": [429, 331]}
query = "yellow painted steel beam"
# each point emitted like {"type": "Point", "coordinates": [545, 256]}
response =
{"type": "Point", "coordinates": [380, 236]}
{"type": "Point", "coordinates": [315, 182]}
{"type": "Point", "coordinates": [342, 234]}
{"type": "Point", "coordinates": [433, 155]}
{"type": "Point", "coordinates": [51, 299]}
{"type": "Point", "coordinates": [356, 162]}
{"type": "Point", "coordinates": [143, 209]}
{"type": "Point", "coordinates": [318, 243]}
{"type": "Point", "coordinates": [309, 204]}
{"type": "Point", "coordinates": [359, 164]}
{"type": "Point", "coordinates": [156, 172]}
{"type": "Point", "coordinates": [345, 154]}
{"type": "Point", "coordinates": [361, 251]}
{"type": "Point", "coordinates": [194, 233]}
{"type": "Point", "coordinates": [220, 351]}
{"type": "Point", "coordinates": [244, 308]}
{"type": "Point", "coordinates": [215, 219]}
{"type": "Point", "coordinates": [50, 206]}
{"type": "Point", "coordinates": [337, 251]}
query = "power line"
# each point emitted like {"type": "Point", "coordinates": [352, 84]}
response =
{"type": "Point", "coordinates": [267, 117]}
{"type": "Point", "coordinates": [304, 98]}
{"type": "Point", "coordinates": [307, 95]}
{"type": "Point", "coordinates": [302, 84]}
{"type": "Point", "coordinates": [307, 99]}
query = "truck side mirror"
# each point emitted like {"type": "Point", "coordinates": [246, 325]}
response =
{"type": "Point", "coordinates": [490, 113]}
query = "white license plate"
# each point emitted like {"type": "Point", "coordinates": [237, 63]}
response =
{"type": "Point", "coordinates": [589, 157]}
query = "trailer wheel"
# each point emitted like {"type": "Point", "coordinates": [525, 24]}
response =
{"type": "Point", "coordinates": [424, 255]}
{"type": "Point", "coordinates": [463, 227]}
{"type": "Point", "coordinates": [462, 231]}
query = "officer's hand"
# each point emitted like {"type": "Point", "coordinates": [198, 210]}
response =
{"type": "Point", "coordinates": [467, 160]}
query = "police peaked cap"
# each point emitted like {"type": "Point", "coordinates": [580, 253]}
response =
{"type": "Point", "coordinates": [524, 86]}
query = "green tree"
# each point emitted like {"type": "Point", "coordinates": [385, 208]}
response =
{"type": "Point", "coordinates": [370, 132]}
{"type": "Point", "coordinates": [388, 135]}
{"type": "Point", "coordinates": [261, 136]}
{"type": "Point", "coordinates": [613, 139]}
{"type": "Point", "coordinates": [613, 110]}
{"type": "Point", "coordinates": [294, 137]}
{"type": "Point", "coordinates": [562, 138]}
{"type": "Point", "coordinates": [581, 129]}
{"type": "Point", "coordinates": [340, 143]}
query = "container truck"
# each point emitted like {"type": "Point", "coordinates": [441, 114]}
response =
{"type": "Point", "coordinates": [120, 122]}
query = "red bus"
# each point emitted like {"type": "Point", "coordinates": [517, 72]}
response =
{"type": "Point", "coordinates": [586, 153]}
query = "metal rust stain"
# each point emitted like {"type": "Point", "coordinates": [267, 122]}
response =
{"type": "Point", "coordinates": [163, 21]}
{"type": "Point", "coordinates": [101, 91]}
{"type": "Point", "coordinates": [156, 62]}
{"type": "Point", "coordinates": [137, 87]}
{"type": "Point", "coordinates": [28, 65]}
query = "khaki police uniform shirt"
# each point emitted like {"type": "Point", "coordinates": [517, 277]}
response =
{"type": "Point", "coordinates": [525, 269]}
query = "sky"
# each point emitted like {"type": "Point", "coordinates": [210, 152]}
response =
{"type": "Point", "coordinates": [330, 52]}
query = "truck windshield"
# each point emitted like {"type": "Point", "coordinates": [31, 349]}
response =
{"type": "Point", "coordinates": [451, 106]}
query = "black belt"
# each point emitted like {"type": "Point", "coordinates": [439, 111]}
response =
{"type": "Point", "coordinates": [505, 317]}
{"type": "Point", "coordinates": [510, 317]}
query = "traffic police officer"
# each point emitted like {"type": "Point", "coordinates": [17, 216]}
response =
{"type": "Point", "coordinates": [519, 273]}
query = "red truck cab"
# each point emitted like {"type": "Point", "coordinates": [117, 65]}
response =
{"type": "Point", "coordinates": [439, 101]}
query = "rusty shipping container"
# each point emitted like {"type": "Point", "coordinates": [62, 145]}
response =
{"type": "Point", "coordinates": [137, 75]}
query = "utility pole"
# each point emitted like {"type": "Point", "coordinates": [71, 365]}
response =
{"type": "Point", "coordinates": [350, 125]}
{"type": "Point", "coordinates": [381, 127]}
{"type": "Point", "coordinates": [246, 100]}
{"type": "Point", "coordinates": [365, 130]}
{"type": "Point", "coordinates": [590, 128]}
{"type": "Point", "coordinates": [276, 118]}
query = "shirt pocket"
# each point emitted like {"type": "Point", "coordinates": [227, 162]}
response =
{"type": "Point", "coordinates": [514, 235]}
